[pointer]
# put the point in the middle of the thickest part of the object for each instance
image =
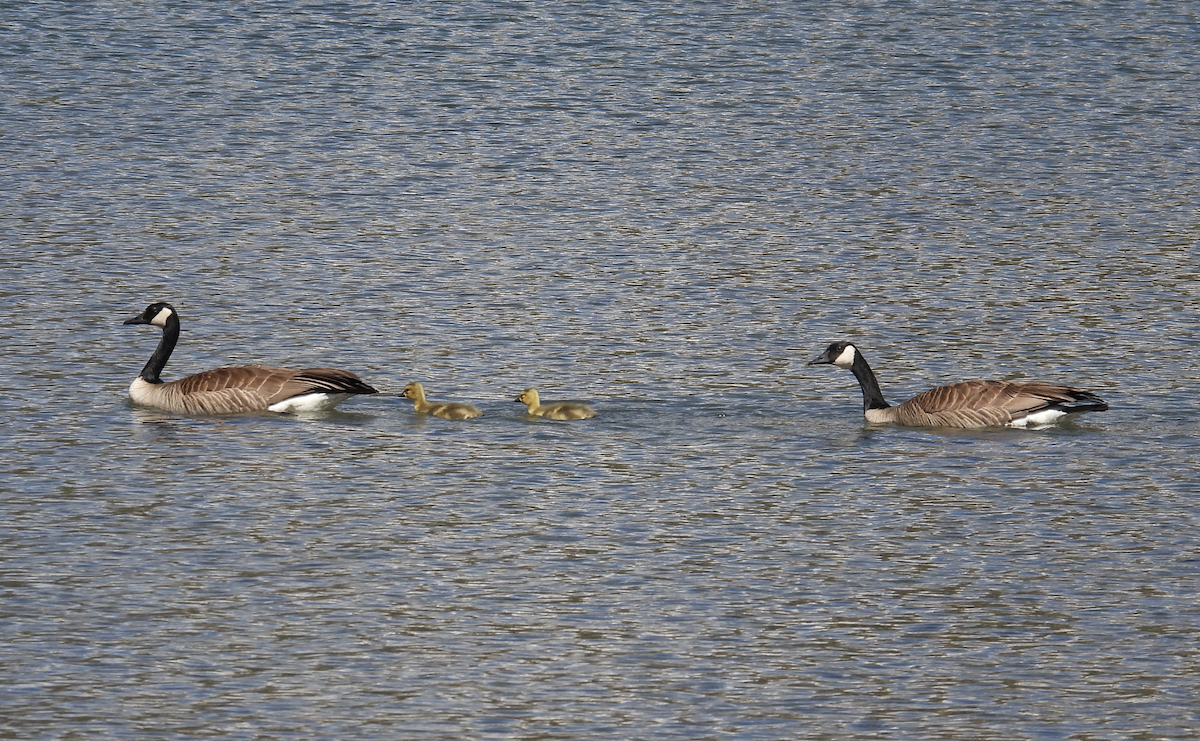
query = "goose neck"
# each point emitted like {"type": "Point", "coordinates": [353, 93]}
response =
{"type": "Point", "coordinates": [162, 353]}
{"type": "Point", "coordinates": [872, 396]}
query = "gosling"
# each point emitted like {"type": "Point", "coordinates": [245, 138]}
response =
{"type": "Point", "coordinates": [445, 410]}
{"type": "Point", "coordinates": [556, 410]}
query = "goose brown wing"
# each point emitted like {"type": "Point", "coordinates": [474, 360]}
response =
{"type": "Point", "coordinates": [983, 403]}
{"type": "Point", "coordinates": [323, 380]}
{"type": "Point", "coordinates": [240, 388]}
{"type": "Point", "coordinates": [244, 388]}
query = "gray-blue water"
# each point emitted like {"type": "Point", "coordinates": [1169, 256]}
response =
{"type": "Point", "coordinates": [665, 210]}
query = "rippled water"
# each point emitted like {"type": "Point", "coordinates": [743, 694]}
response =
{"type": "Point", "coordinates": [663, 210]}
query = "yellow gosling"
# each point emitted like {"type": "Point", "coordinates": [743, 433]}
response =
{"type": "Point", "coordinates": [445, 410]}
{"type": "Point", "coordinates": [557, 410]}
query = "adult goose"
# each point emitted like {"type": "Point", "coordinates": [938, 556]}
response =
{"type": "Point", "coordinates": [243, 388]}
{"type": "Point", "coordinates": [556, 410]}
{"type": "Point", "coordinates": [445, 410]}
{"type": "Point", "coordinates": [970, 404]}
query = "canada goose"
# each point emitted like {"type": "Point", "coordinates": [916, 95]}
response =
{"type": "Point", "coordinates": [243, 388]}
{"type": "Point", "coordinates": [557, 410]}
{"type": "Point", "coordinates": [966, 404]}
{"type": "Point", "coordinates": [445, 410]}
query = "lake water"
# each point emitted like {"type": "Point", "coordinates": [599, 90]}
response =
{"type": "Point", "coordinates": [665, 210]}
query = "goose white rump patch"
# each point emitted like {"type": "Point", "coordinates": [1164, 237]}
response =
{"type": "Point", "coordinates": [319, 402]}
{"type": "Point", "coordinates": [1039, 419]}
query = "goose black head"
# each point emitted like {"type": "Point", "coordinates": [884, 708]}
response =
{"type": "Point", "coordinates": [841, 354]}
{"type": "Point", "coordinates": [156, 314]}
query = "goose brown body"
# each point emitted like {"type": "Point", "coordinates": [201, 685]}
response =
{"type": "Point", "coordinates": [980, 404]}
{"type": "Point", "coordinates": [556, 410]}
{"type": "Point", "coordinates": [445, 410]}
{"type": "Point", "coordinates": [234, 389]}
{"type": "Point", "coordinates": [969, 404]}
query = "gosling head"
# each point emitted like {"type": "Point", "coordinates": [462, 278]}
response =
{"type": "Point", "coordinates": [157, 314]}
{"type": "Point", "coordinates": [529, 397]}
{"type": "Point", "coordinates": [413, 390]}
{"type": "Point", "coordinates": [841, 354]}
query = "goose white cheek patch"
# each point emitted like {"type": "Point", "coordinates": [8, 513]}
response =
{"type": "Point", "coordinates": [846, 359]}
{"type": "Point", "coordinates": [160, 319]}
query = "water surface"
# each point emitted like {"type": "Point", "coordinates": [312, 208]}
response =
{"type": "Point", "coordinates": [661, 209]}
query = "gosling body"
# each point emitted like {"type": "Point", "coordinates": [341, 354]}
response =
{"type": "Point", "coordinates": [969, 404]}
{"type": "Point", "coordinates": [445, 410]}
{"type": "Point", "coordinates": [556, 410]}
{"type": "Point", "coordinates": [234, 389]}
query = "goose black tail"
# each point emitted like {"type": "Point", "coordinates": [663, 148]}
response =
{"type": "Point", "coordinates": [1084, 401]}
